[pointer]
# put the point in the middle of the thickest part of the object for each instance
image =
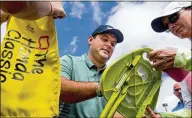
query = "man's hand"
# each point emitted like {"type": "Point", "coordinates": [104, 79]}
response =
{"type": "Point", "coordinates": [162, 58]}
{"type": "Point", "coordinates": [57, 10]}
{"type": "Point", "coordinates": [3, 16]}
{"type": "Point", "coordinates": [33, 10]}
{"type": "Point", "coordinates": [152, 114]}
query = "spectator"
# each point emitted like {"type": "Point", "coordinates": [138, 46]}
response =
{"type": "Point", "coordinates": [177, 92]}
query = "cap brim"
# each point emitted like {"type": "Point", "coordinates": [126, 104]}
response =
{"type": "Point", "coordinates": [117, 33]}
{"type": "Point", "coordinates": [157, 24]}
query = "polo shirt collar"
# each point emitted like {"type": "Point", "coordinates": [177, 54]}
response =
{"type": "Point", "coordinates": [89, 62]}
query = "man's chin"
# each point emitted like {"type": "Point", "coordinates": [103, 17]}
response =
{"type": "Point", "coordinates": [106, 58]}
{"type": "Point", "coordinates": [180, 97]}
{"type": "Point", "coordinates": [183, 35]}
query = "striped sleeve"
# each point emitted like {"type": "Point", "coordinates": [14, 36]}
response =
{"type": "Point", "coordinates": [183, 113]}
{"type": "Point", "coordinates": [183, 59]}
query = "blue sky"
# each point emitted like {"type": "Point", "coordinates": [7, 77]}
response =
{"type": "Point", "coordinates": [74, 30]}
{"type": "Point", "coordinates": [132, 18]}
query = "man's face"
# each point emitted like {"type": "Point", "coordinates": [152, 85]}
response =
{"type": "Point", "coordinates": [177, 91]}
{"type": "Point", "coordinates": [103, 45]}
{"type": "Point", "coordinates": [181, 23]}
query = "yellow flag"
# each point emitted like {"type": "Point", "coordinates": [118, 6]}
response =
{"type": "Point", "coordinates": [30, 69]}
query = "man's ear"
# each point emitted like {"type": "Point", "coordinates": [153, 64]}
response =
{"type": "Point", "coordinates": [90, 40]}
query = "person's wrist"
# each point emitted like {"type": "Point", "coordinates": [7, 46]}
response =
{"type": "Point", "coordinates": [98, 89]}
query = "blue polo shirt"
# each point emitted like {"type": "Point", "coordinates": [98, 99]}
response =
{"type": "Point", "coordinates": [81, 69]}
{"type": "Point", "coordinates": [180, 105]}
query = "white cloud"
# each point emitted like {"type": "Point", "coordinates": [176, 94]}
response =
{"type": "Point", "coordinates": [73, 46]}
{"type": "Point", "coordinates": [97, 13]}
{"type": "Point", "coordinates": [3, 30]}
{"type": "Point", "coordinates": [135, 23]}
{"type": "Point", "coordinates": [77, 9]}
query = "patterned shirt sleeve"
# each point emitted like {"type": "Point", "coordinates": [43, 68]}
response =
{"type": "Point", "coordinates": [183, 113]}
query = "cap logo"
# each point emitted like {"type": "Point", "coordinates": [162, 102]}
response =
{"type": "Point", "coordinates": [109, 27]}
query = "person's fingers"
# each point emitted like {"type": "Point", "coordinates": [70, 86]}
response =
{"type": "Point", "coordinates": [60, 16]}
{"type": "Point", "coordinates": [153, 54]}
{"type": "Point", "coordinates": [167, 65]}
{"type": "Point", "coordinates": [57, 10]}
{"type": "Point", "coordinates": [59, 13]}
{"type": "Point", "coordinates": [161, 64]}
{"type": "Point", "coordinates": [144, 116]}
{"type": "Point", "coordinates": [156, 64]}
{"type": "Point", "coordinates": [13, 7]}
{"type": "Point", "coordinates": [150, 111]}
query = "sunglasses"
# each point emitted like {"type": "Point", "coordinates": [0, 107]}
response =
{"type": "Point", "coordinates": [171, 19]}
{"type": "Point", "coordinates": [174, 17]}
{"type": "Point", "coordinates": [177, 89]}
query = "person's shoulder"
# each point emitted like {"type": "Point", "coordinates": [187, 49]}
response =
{"type": "Point", "coordinates": [71, 57]}
{"type": "Point", "coordinates": [174, 109]}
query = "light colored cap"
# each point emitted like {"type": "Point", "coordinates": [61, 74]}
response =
{"type": "Point", "coordinates": [173, 7]}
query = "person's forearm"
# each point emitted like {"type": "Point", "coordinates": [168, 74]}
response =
{"type": "Point", "coordinates": [72, 91]}
{"type": "Point", "coordinates": [178, 74]}
{"type": "Point", "coordinates": [28, 10]}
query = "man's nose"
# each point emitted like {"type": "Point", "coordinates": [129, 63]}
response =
{"type": "Point", "coordinates": [171, 26]}
{"type": "Point", "coordinates": [109, 44]}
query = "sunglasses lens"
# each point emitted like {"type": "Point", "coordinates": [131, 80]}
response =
{"type": "Point", "coordinates": [173, 18]}
{"type": "Point", "coordinates": [177, 89]}
{"type": "Point", "coordinates": [165, 25]}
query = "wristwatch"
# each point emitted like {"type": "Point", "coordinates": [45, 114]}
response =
{"type": "Point", "coordinates": [98, 89]}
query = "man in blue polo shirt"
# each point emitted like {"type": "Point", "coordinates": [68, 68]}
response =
{"type": "Point", "coordinates": [81, 75]}
{"type": "Point", "coordinates": [177, 92]}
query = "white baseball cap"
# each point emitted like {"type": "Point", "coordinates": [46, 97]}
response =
{"type": "Point", "coordinates": [173, 7]}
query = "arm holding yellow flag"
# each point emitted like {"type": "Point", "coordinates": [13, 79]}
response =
{"type": "Point", "coordinates": [30, 66]}
{"type": "Point", "coordinates": [28, 10]}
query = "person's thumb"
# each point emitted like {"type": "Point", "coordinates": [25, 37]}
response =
{"type": "Point", "coordinates": [57, 10]}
